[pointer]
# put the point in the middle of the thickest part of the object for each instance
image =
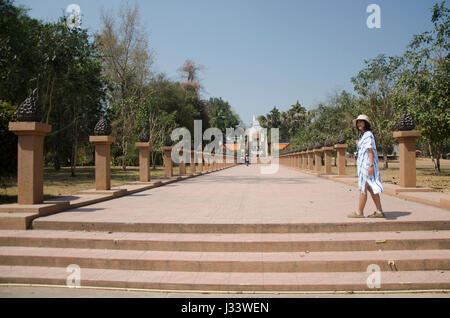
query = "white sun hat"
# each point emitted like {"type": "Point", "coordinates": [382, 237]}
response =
{"type": "Point", "coordinates": [362, 117]}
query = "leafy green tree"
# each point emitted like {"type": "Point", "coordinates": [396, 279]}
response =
{"type": "Point", "coordinates": [63, 64]}
{"type": "Point", "coordinates": [221, 114]}
{"type": "Point", "coordinates": [20, 57]}
{"type": "Point", "coordinates": [8, 146]}
{"type": "Point", "coordinates": [376, 84]}
{"type": "Point", "coordinates": [126, 63]}
{"type": "Point", "coordinates": [425, 83]}
{"type": "Point", "coordinates": [295, 118]}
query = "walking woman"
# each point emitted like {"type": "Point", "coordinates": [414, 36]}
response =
{"type": "Point", "coordinates": [369, 178]}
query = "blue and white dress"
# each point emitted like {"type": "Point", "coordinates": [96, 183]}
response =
{"type": "Point", "coordinates": [366, 141]}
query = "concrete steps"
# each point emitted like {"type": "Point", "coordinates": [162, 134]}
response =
{"type": "Point", "coordinates": [240, 242]}
{"type": "Point", "coordinates": [376, 225]}
{"type": "Point", "coordinates": [206, 281]}
{"type": "Point", "coordinates": [411, 255]}
{"type": "Point", "coordinates": [398, 260]}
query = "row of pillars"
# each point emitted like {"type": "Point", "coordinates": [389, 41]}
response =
{"type": "Point", "coordinates": [205, 162]}
{"type": "Point", "coordinates": [30, 172]}
{"type": "Point", "coordinates": [312, 159]}
{"type": "Point", "coordinates": [407, 156]}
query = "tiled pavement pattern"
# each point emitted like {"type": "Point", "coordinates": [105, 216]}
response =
{"type": "Point", "coordinates": [236, 230]}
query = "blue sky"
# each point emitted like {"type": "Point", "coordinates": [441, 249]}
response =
{"type": "Point", "coordinates": [260, 54]}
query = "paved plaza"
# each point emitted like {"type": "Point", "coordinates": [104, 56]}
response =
{"type": "Point", "coordinates": [236, 230]}
{"type": "Point", "coordinates": [242, 195]}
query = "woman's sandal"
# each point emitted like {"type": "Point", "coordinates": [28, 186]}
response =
{"type": "Point", "coordinates": [355, 215]}
{"type": "Point", "coordinates": [376, 215]}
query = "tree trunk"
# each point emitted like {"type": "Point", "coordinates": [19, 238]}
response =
{"type": "Point", "coordinates": [153, 158]}
{"type": "Point", "coordinates": [436, 163]}
{"type": "Point", "coordinates": [124, 154]}
{"type": "Point", "coordinates": [57, 161]}
{"type": "Point", "coordinates": [385, 158]}
{"type": "Point", "coordinates": [57, 158]}
{"type": "Point", "coordinates": [50, 100]}
{"type": "Point", "coordinates": [438, 159]}
{"type": "Point", "coordinates": [74, 151]}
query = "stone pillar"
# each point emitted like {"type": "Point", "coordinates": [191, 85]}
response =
{"type": "Point", "coordinates": [144, 160]}
{"type": "Point", "coordinates": [30, 167]}
{"type": "Point", "coordinates": [327, 151]}
{"type": "Point", "coordinates": [192, 169]}
{"type": "Point", "coordinates": [407, 154]}
{"type": "Point", "coordinates": [318, 164]}
{"type": "Point", "coordinates": [341, 158]}
{"type": "Point", "coordinates": [206, 166]}
{"type": "Point", "coordinates": [182, 165]}
{"type": "Point", "coordinates": [102, 161]}
{"type": "Point", "coordinates": [200, 161]}
{"type": "Point", "coordinates": [310, 160]}
{"type": "Point", "coordinates": [168, 166]}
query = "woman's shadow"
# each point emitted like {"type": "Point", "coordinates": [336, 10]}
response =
{"type": "Point", "coordinates": [395, 215]}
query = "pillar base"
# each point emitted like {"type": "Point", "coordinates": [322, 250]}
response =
{"type": "Point", "coordinates": [30, 170]}
{"type": "Point", "coordinates": [144, 160]}
{"type": "Point", "coordinates": [341, 158]}
{"type": "Point", "coordinates": [407, 155]}
{"type": "Point", "coordinates": [168, 166]}
{"type": "Point", "coordinates": [102, 161]}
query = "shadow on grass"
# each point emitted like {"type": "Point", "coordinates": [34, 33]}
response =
{"type": "Point", "coordinates": [60, 183]}
{"type": "Point", "coordinates": [7, 199]}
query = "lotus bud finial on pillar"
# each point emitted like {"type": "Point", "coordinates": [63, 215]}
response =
{"type": "Point", "coordinates": [102, 128]}
{"type": "Point", "coordinates": [406, 122]}
{"type": "Point", "coordinates": [341, 139]}
{"type": "Point", "coordinates": [30, 109]}
{"type": "Point", "coordinates": [144, 135]}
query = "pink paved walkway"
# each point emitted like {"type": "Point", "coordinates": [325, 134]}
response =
{"type": "Point", "coordinates": [242, 195]}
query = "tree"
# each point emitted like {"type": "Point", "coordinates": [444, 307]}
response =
{"type": "Point", "coordinates": [376, 84]}
{"type": "Point", "coordinates": [63, 64]}
{"type": "Point", "coordinates": [295, 118]}
{"type": "Point", "coordinates": [126, 63]}
{"type": "Point", "coordinates": [221, 115]}
{"type": "Point", "coordinates": [425, 83]}
{"type": "Point", "coordinates": [189, 72]}
{"type": "Point", "coordinates": [8, 146]}
{"type": "Point", "coordinates": [20, 58]}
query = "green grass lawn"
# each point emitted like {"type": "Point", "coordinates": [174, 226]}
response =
{"type": "Point", "coordinates": [60, 183]}
{"type": "Point", "coordinates": [425, 175]}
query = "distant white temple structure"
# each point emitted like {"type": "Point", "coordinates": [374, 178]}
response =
{"type": "Point", "coordinates": [256, 141]}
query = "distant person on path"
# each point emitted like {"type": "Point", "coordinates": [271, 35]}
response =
{"type": "Point", "coordinates": [247, 160]}
{"type": "Point", "coordinates": [369, 178]}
